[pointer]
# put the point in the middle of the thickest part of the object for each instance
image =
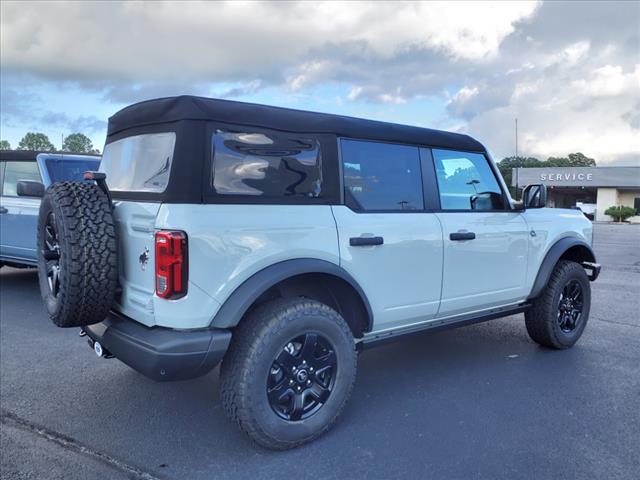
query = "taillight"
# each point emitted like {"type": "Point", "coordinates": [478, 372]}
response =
{"type": "Point", "coordinates": [172, 274]}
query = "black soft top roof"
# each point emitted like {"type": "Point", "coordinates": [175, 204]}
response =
{"type": "Point", "coordinates": [172, 109]}
{"type": "Point", "coordinates": [31, 155]}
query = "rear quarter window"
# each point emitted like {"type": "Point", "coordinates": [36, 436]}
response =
{"type": "Point", "coordinates": [140, 163]}
{"type": "Point", "coordinates": [270, 165]}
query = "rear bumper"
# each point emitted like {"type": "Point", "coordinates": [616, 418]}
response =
{"type": "Point", "coordinates": [593, 270]}
{"type": "Point", "coordinates": [161, 354]}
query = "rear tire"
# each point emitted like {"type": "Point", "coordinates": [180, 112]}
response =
{"type": "Point", "coordinates": [555, 319]}
{"type": "Point", "coordinates": [77, 254]}
{"type": "Point", "coordinates": [265, 371]}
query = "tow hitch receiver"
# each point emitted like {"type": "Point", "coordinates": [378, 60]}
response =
{"type": "Point", "coordinates": [99, 350]}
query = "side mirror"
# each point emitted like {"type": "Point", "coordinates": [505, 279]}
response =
{"type": "Point", "coordinates": [28, 188]}
{"type": "Point", "coordinates": [518, 206]}
{"type": "Point", "coordinates": [534, 196]}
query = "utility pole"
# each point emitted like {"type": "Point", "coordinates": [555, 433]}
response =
{"type": "Point", "coordinates": [516, 137]}
{"type": "Point", "coordinates": [517, 167]}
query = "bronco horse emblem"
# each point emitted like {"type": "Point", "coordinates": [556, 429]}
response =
{"type": "Point", "coordinates": [144, 258]}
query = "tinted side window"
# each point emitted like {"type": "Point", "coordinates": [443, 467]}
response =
{"type": "Point", "coordinates": [270, 165]}
{"type": "Point", "coordinates": [17, 171]}
{"type": "Point", "coordinates": [466, 182]}
{"type": "Point", "coordinates": [381, 176]}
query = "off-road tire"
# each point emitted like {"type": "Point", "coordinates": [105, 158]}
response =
{"type": "Point", "coordinates": [542, 319]}
{"type": "Point", "coordinates": [247, 363]}
{"type": "Point", "coordinates": [88, 253]}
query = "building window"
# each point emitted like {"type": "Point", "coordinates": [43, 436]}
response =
{"type": "Point", "coordinates": [381, 176]}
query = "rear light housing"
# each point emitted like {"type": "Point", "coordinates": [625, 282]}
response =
{"type": "Point", "coordinates": [172, 273]}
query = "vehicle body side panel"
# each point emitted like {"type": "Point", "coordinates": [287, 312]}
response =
{"type": "Point", "coordinates": [230, 243]}
{"type": "Point", "coordinates": [136, 227]}
{"type": "Point", "coordinates": [487, 271]}
{"type": "Point", "coordinates": [18, 229]}
{"type": "Point", "coordinates": [546, 227]}
{"type": "Point", "coordinates": [402, 277]}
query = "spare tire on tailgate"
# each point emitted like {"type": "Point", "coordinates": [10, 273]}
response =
{"type": "Point", "coordinates": [77, 253]}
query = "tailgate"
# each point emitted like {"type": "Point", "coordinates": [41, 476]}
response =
{"type": "Point", "coordinates": [135, 223]}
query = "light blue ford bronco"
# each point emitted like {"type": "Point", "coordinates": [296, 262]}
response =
{"type": "Point", "coordinates": [280, 242]}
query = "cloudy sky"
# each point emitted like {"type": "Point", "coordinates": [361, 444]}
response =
{"type": "Point", "coordinates": [570, 72]}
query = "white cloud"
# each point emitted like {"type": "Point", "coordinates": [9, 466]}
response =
{"type": "Point", "coordinates": [204, 41]}
{"type": "Point", "coordinates": [567, 70]}
{"type": "Point", "coordinates": [465, 94]}
{"type": "Point", "coordinates": [609, 81]}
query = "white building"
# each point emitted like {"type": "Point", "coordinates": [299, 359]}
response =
{"type": "Point", "coordinates": [603, 186]}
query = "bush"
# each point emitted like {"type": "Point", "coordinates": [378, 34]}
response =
{"type": "Point", "coordinates": [620, 213]}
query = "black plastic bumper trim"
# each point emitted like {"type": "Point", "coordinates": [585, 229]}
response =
{"type": "Point", "coordinates": [162, 354]}
{"type": "Point", "coordinates": [593, 270]}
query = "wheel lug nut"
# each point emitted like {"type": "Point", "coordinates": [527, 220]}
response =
{"type": "Point", "coordinates": [290, 382]}
{"type": "Point", "coordinates": [299, 389]}
{"type": "Point", "coordinates": [308, 382]}
{"type": "Point", "coordinates": [304, 362]}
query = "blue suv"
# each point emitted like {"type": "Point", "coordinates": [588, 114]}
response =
{"type": "Point", "coordinates": [24, 175]}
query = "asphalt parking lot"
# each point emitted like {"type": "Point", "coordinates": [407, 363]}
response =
{"type": "Point", "coordinates": [478, 402]}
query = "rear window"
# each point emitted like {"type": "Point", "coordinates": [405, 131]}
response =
{"type": "Point", "coordinates": [270, 165]}
{"type": "Point", "coordinates": [61, 170]}
{"type": "Point", "coordinates": [141, 163]}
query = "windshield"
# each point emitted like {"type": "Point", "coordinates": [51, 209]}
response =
{"type": "Point", "coordinates": [61, 169]}
{"type": "Point", "coordinates": [139, 164]}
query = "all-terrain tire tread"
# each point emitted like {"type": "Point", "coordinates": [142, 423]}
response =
{"type": "Point", "coordinates": [249, 339]}
{"type": "Point", "coordinates": [89, 253]}
{"type": "Point", "coordinates": [539, 319]}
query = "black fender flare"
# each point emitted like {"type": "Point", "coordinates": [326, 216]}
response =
{"type": "Point", "coordinates": [237, 304]}
{"type": "Point", "coordinates": [551, 259]}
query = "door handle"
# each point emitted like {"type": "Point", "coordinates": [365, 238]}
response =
{"type": "Point", "coordinates": [462, 236]}
{"type": "Point", "coordinates": [365, 241]}
{"type": "Point", "coordinates": [3, 210]}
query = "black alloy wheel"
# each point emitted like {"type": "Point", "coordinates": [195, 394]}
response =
{"type": "Point", "coordinates": [570, 306]}
{"type": "Point", "coordinates": [558, 316]}
{"type": "Point", "coordinates": [51, 254]}
{"type": "Point", "coordinates": [288, 372]}
{"type": "Point", "coordinates": [302, 377]}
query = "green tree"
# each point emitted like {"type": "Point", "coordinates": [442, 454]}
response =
{"type": "Point", "coordinates": [5, 145]}
{"type": "Point", "coordinates": [36, 141]}
{"type": "Point", "coordinates": [78, 143]}
{"type": "Point", "coordinates": [571, 160]}
{"type": "Point", "coordinates": [507, 164]}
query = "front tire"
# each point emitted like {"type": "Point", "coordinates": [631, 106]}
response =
{"type": "Point", "coordinates": [289, 372]}
{"type": "Point", "coordinates": [560, 314]}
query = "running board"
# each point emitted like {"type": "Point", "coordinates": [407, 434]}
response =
{"type": "Point", "coordinates": [439, 325]}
